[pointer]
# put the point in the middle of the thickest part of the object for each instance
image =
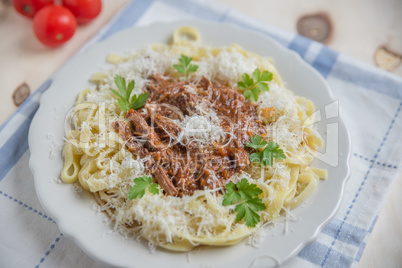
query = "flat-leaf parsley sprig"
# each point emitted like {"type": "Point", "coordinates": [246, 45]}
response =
{"type": "Point", "coordinates": [184, 66]}
{"type": "Point", "coordinates": [140, 184]}
{"type": "Point", "coordinates": [253, 85]}
{"type": "Point", "coordinates": [245, 195]}
{"type": "Point", "coordinates": [137, 101]}
{"type": "Point", "coordinates": [265, 152]}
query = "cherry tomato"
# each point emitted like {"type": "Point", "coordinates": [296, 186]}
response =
{"type": "Point", "coordinates": [54, 25]}
{"type": "Point", "coordinates": [84, 10]}
{"type": "Point", "coordinates": [29, 8]}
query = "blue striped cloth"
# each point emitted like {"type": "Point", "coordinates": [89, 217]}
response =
{"type": "Point", "coordinates": [370, 99]}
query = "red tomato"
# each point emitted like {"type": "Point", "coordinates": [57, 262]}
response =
{"type": "Point", "coordinates": [54, 25]}
{"type": "Point", "coordinates": [84, 10]}
{"type": "Point", "coordinates": [29, 8]}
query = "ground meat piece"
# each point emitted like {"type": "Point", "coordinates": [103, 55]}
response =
{"type": "Point", "coordinates": [168, 128]}
{"type": "Point", "coordinates": [164, 181]}
{"type": "Point", "coordinates": [126, 135]}
{"type": "Point", "coordinates": [240, 158]}
{"type": "Point", "coordinates": [143, 131]}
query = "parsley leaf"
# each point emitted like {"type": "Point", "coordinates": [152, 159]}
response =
{"type": "Point", "coordinates": [231, 196]}
{"type": "Point", "coordinates": [272, 151]}
{"type": "Point", "coordinates": [184, 66]}
{"type": "Point", "coordinates": [254, 85]}
{"type": "Point", "coordinates": [124, 104]}
{"type": "Point", "coordinates": [255, 157]}
{"type": "Point", "coordinates": [142, 183]}
{"type": "Point", "coordinates": [124, 94]}
{"type": "Point", "coordinates": [266, 156]}
{"type": "Point", "coordinates": [121, 85]}
{"type": "Point", "coordinates": [247, 190]}
{"type": "Point", "coordinates": [154, 188]}
{"type": "Point", "coordinates": [256, 142]}
{"type": "Point", "coordinates": [130, 88]}
{"type": "Point", "coordinates": [139, 101]}
{"type": "Point", "coordinates": [245, 211]}
{"type": "Point", "coordinates": [247, 81]}
{"type": "Point", "coordinates": [246, 195]}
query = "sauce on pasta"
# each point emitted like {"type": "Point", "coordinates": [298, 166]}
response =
{"type": "Point", "coordinates": [180, 164]}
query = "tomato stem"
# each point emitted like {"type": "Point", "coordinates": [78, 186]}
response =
{"type": "Point", "coordinates": [27, 9]}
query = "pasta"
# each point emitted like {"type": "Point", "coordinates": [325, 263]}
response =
{"type": "Point", "coordinates": [97, 157]}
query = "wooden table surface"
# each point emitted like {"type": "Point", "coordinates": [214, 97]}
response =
{"type": "Point", "coordinates": [359, 28]}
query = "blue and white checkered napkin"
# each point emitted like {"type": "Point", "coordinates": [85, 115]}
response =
{"type": "Point", "coordinates": [371, 100]}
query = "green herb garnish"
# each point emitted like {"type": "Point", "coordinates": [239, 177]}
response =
{"type": "Point", "coordinates": [142, 183]}
{"type": "Point", "coordinates": [253, 86]}
{"type": "Point", "coordinates": [266, 156]}
{"type": "Point", "coordinates": [256, 142]}
{"type": "Point", "coordinates": [248, 202]}
{"type": "Point", "coordinates": [184, 66]}
{"type": "Point", "coordinates": [137, 101]}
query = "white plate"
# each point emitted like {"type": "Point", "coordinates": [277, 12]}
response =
{"type": "Point", "coordinates": [74, 212]}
